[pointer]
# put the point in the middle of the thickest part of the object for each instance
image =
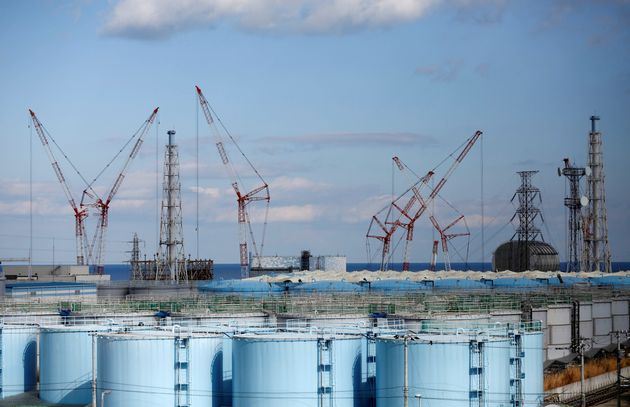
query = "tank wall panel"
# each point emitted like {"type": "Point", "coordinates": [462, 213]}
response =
{"type": "Point", "coordinates": [560, 334]}
{"type": "Point", "coordinates": [555, 353]}
{"type": "Point", "coordinates": [559, 315]}
{"type": "Point", "coordinates": [621, 323]}
{"type": "Point", "coordinates": [389, 373]}
{"type": "Point", "coordinates": [602, 309]}
{"type": "Point", "coordinates": [586, 312]}
{"type": "Point", "coordinates": [620, 307]}
{"type": "Point", "coordinates": [586, 329]}
{"type": "Point", "coordinates": [602, 326]}
{"type": "Point", "coordinates": [601, 341]}
{"type": "Point", "coordinates": [18, 347]}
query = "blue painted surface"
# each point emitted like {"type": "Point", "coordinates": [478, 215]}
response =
{"type": "Point", "coordinates": [140, 370]}
{"type": "Point", "coordinates": [66, 364]}
{"type": "Point", "coordinates": [519, 283]}
{"type": "Point", "coordinates": [243, 287]}
{"type": "Point", "coordinates": [328, 286]}
{"type": "Point", "coordinates": [397, 285]}
{"type": "Point", "coordinates": [282, 370]}
{"type": "Point", "coordinates": [533, 384]}
{"type": "Point", "coordinates": [18, 368]}
{"type": "Point", "coordinates": [459, 284]}
{"type": "Point", "coordinates": [439, 370]}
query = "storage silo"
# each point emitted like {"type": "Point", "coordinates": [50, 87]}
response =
{"type": "Point", "coordinates": [533, 380]}
{"type": "Point", "coordinates": [160, 368]}
{"type": "Point", "coordinates": [290, 369]}
{"type": "Point", "coordinates": [65, 367]}
{"type": "Point", "coordinates": [18, 359]}
{"type": "Point", "coordinates": [445, 370]}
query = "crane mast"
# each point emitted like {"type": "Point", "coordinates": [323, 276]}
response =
{"type": "Point", "coordinates": [408, 215]}
{"type": "Point", "coordinates": [80, 213]}
{"type": "Point", "coordinates": [243, 199]}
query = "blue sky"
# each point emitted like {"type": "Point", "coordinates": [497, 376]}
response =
{"type": "Point", "coordinates": [320, 95]}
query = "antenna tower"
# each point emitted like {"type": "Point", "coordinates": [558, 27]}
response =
{"type": "Point", "coordinates": [527, 213]}
{"type": "Point", "coordinates": [574, 202]}
{"type": "Point", "coordinates": [136, 272]}
{"type": "Point", "coordinates": [171, 231]}
{"type": "Point", "coordinates": [597, 251]}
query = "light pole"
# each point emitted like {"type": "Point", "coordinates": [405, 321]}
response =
{"type": "Point", "coordinates": [419, 397]}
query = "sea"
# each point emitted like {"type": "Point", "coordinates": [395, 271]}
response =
{"type": "Point", "coordinates": [230, 271]}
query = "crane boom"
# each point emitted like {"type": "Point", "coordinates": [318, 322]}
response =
{"type": "Point", "coordinates": [260, 193]}
{"type": "Point", "coordinates": [80, 213]}
{"type": "Point", "coordinates": [98, 241]}
{"type": "Point", "coordinates": [415, 200]}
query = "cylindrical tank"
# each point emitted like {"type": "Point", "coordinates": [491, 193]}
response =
{"type": "Point", "coordinates": [445, 370]}
{"type": "Point", "coordinates": [18, 351]}
{"type": "Point", "coordinates": [161, 368]}
{"type": "Point", "coordinates": [533, 354]}
{"type": "Point", "coordinates": [65, 367]}
{"type": "Point", "coordinates": [292, 369]}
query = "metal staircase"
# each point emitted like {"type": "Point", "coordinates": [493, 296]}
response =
{"type": "Point", "coordinates": [182, 371]}
{"type": "Point", "coordinates": [516, 369]}
{"type": "Point", "coordinates": [325, 372]}
{"type": "Point", "coordinates": [476, 372]}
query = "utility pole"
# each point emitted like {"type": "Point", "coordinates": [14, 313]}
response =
{"type": "Point", "coordinates": [617, 337]}
{"type": "Point", "coordinates": [583, 347]}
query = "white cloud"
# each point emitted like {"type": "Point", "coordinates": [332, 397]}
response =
{"type": "Point", "coordinates": [291, 213]}
{"type": "Point", "coordinates": [294, 183]}
{"type": "Point", "coordinates": [150, 19]}
{"type": "Point", "coordinates": [364, 210]}
{"type": "Point", "coordinates": [209, 192]}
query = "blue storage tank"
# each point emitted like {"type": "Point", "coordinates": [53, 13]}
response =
{"type": "Point", "coordinates": [443, 369]}
{"type": "Point", "coordinates": [65, 366]}
{"type": "Point", "coordinates": [397, 285]}
{"type": "Point", "coordinates": [242, 287]}
{"type": "Point", "coordinates": [161, 368]}
{"type": "Point", "coordinates": [452, 284]}
{"type": "Point", "coordinates": [327, 286]}
{"type": "Point", "coordinates": [18, 356]}
{"type": "Point", "coordinates": [533, 384]}
{"type": "Point", "coordinates": [516, 283]}
{"type": "Point", "coordinates": [610, 280]}
{"type": "Point", "coordinates": [290, 369]}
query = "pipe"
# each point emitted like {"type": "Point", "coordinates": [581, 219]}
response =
{"type": "Point", "coordinates": [94, 371]}
{"type": "Point", "coordinates": [406, 371]}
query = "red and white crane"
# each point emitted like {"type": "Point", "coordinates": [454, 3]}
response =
{"type": "Point", "coordinates": [93, 251]}
{"type": "Point", "coordinates": [243, 197]}
{"type": "Point", "coordinates": [97, 246]}
{"type": "Point", "coordinates": [405, 216]}
{"type": "Point", "coordinates": [445, 237]}
{"type": "Point", "coordinates": [79, 212]}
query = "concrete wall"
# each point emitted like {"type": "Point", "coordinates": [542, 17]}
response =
{"type": "Point", "coordinates": [602, 323]}
{"type": "Point", "coordinates": [558, 331]}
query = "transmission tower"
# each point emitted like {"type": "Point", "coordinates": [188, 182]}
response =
{"type": "Point", "coordinates": [136, 271]}
{"type": "Point", "coordinates": [597, 251]}
{"type": "Point", "coordinates": [171, 232]}
{"type": "Point", "coordinates": [527, 212]}
{"type": "Point", "coordinates": [574, 202]}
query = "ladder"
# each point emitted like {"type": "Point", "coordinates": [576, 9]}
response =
{"type": "Point", "coordinates": [516, 369]}
{"type": "Point", "coordinates": [371, 370]}
{"type": "Point", "coordinates": [182, 371]}
{"type": "Point", "coordinates": [476, 374]}
{"type": "Point", "coordinates": [325, 372]}
{"type": "Point", "coordinates": [1, 364]}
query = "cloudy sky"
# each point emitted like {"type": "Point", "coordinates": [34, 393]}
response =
{"type": "Point", "coordinates": [319, 94]}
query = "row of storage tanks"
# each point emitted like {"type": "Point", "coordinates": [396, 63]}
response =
{"type": "Point", "coordinates": [448, 365]}
{"type": "Point", "coordinates": [255, 287]}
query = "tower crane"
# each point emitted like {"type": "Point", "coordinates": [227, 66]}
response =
{"type": "Point", "coordinates": [407, 215]}
{"type": "Point", "coordinates": [91, 251]}
{"type": "Point", "coordinates": [243, 197]}
{"type": "Point", "coordinates": [80, 212]}
{"type": "Point", "coordinates": [97, 246]}
{"type": "Point", "coordinates": [445, 237]}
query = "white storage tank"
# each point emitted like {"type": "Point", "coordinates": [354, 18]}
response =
{"type": "Point", "coordinates": [18, 359]}
{"type": "Point", "coordinates": [161, 368]}
{"type": "Point", "coordinates": [448, 370]}
{"type": "Point", "coordinates": [296, 369]}
{"type": "Point", "coordinates": [533, 381]}
{"type": "Point", "coordinates": [65, 367]}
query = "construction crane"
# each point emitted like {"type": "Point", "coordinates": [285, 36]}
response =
{"type": "Point", "coordinates": [243, 199]}
{"type": "Point", "coordinates": [445, 237]}
{"type": "Point", "coordinates": [80, 212]}
{"type": "Point", "coordinates": [91, 251]}
{"type": "Point", "coordinates": [406, 216]}
{"type": "Point", "coordinates": [97, 246]}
